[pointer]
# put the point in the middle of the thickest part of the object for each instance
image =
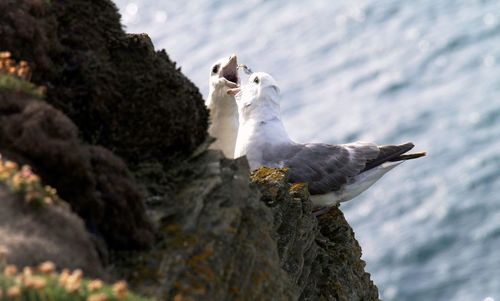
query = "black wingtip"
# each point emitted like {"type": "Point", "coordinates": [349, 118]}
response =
{"type": "Point", "coordinates": [407, 146]}
{"type": "Point", "coordinates": [389, 153]}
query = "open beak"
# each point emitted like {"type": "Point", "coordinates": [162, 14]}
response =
{"type": "Point", "coordinates": [233, 61]}
{"type": "Point", "coordinates": [233, 91]}
{"type": "Point", "coordinates": [229, 71]}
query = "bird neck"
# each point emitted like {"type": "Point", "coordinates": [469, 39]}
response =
{"type": "Point", "coordinates": [267, 125]}
{"type": "Point", "coordinates": [221, 105]}
{"type": "Point", "coordinates": [254, 136]}
{"type": "Point", "coordinates": [259, 111]}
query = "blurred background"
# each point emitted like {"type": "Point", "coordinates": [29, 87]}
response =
{"type": "Point", "coordinates": [384, 71]}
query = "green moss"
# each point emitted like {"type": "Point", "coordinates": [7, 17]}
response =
{"type": "Point", "coordinates": [10, 82]}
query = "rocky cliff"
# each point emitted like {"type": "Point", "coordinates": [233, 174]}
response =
{"type": "Point", "coordinates": [120, 132]}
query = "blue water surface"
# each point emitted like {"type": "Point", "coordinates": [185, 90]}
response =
{"type": "Point", "coordinates": [387, 71]}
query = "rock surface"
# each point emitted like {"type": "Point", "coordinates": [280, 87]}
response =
{"type": "Point", "coordinates": [30, 235]}
{"type": "Point", "coordinates": [321, 255]}
{"type": "Point", "coordinates": [217, 241]}
{"type": "Point", "coordinates": [223, 240]}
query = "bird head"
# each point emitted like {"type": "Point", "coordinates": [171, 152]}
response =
{"type": "Point", "coordinates": [259, 97]}
{"type": "Point", "coordinates": [224, 74]}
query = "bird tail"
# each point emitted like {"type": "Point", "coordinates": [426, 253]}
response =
{"type": "Point", "coordinates": [393, 153]}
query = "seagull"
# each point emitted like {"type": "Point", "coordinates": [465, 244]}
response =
{"type": "Point", "coordinates": [333, 173]}
{"type": "Point", "coordinates": [223, 110]}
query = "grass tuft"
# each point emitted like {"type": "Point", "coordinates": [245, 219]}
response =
{"type": "Point", "coordinates": [44, 283]}
{"type": "Point", "coordinates": [23, 182]}
{"type": "Point", "coordinates": [16, 77]}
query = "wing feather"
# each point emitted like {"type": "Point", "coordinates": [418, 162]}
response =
{"type": "Point", "coordinates": [324, 167]}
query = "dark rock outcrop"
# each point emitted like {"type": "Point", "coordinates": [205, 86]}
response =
{"type": "Point", "coordinates": [91, 179]}
{"type": "Point", "coordinates": [119, 92]}
{"type": "Point", "coordinates": [321, 255]}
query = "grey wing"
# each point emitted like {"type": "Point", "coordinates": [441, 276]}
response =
{"type": "Point", "coordinates": [325, 167]}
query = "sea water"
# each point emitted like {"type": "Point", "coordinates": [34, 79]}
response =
{"type": "Point", "coordinates": [387, 71]}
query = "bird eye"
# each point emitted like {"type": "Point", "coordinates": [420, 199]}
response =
{"type": "Point", "coordinates": [215, 69]}
{"type": "Point", "coordinates": [256, 80]}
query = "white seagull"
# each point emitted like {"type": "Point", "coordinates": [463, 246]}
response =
{"type": "Point", "coordinates": [334, 173]}
{"type": "Point", "coordinates": [223, 110]}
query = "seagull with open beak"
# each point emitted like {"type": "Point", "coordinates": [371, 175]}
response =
{"type": "Point", "coordinates": [223, 109]}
